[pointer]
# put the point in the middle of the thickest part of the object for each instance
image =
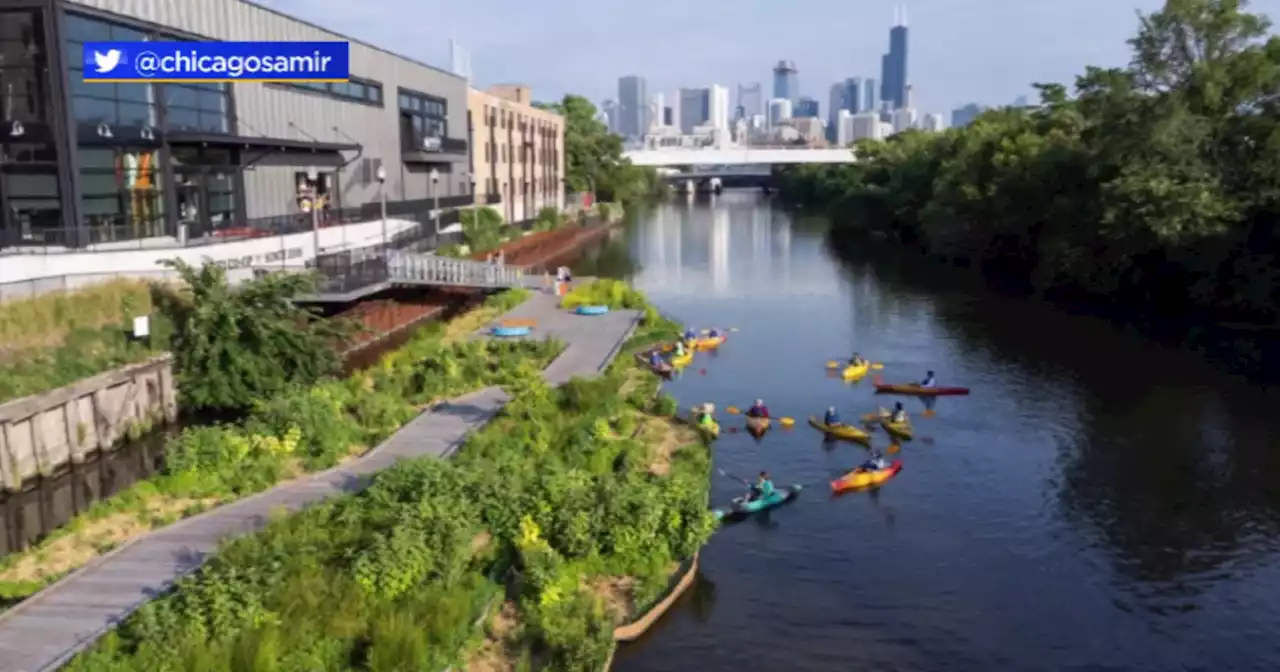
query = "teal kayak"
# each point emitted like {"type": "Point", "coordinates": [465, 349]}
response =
{"type": "Point", "coordinates": [740, 508]}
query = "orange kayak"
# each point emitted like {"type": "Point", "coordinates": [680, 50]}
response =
{"type": "Point", "coordinates": [862, 479]}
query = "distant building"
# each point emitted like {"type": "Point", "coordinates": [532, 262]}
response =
{"type": "Point", "coordinates": [870, 98]}
{"type": "Point", "coordinates": [904, 118]}
{"type": "Point", "coordinates": [811, 129]}
{"type": "Point", "coordinates": [633, 106]}
{"type": "Point", "coordinates": [656, 106]}
{"type": "Point", "coordinates": [695, 108]}
{"type": "Point", "coordinates": [867, 126]}
{"type": "Point", "coordinates": [933, 122]}
{"type": "Point", "coordinates": [668, 119]}
{"type": "Point", "coordinates": [718, 107]}
{"type": "Point", "coordinates": [786, 81]}
{"type": "Point", "coordinates": [893, 65]}
{"type": "Point", "coordinates": [843, 129]}
{"type": "Point", "coordinates": [750, 100]}
{"type": "Point", "coordinates": [805, 108]}
{"type": "Point", "coordinates": [963, 116]}
{"type": "Point", "coordinates": [779, 111]}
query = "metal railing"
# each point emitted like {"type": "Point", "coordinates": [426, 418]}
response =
{"type": "Point", "coordinates": [428, 269]}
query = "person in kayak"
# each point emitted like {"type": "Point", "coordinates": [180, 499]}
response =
{"type": "Point", "coordinates": [899, 414]}
{"type": "Point", "coordinates": [763, 487]}
{"type": "Point", "coordinates": [876, 463]}
{"type": "Point", "coordinates": [679, 349]}
{"type": "Point", "coordinates": [929, 380]}
{"type": "Point", "coordinates": [703, 416]}
{"type": "Point", "coordinates": [713, 334]}
{"type": "Point", "coordinates": [832, 418]}
{"type": "Point", "coordinates": [656, 361]}
{"type": "Point", "coordinates": [758, 410]}
{"type": "Point", "coordinates": [856, 360]}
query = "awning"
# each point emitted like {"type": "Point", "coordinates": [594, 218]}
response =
{"type": "Point", "coordinates": [254, 142]}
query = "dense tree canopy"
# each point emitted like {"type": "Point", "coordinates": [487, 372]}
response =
{"type": "Point", "coordinates": [1156, 184]}
{"type": "Point", "coordinates": [593, 155]}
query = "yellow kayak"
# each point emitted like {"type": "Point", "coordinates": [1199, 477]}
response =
{"type": "Point", "coordinates": [682, 360]}
{"type": "Point", "coordinates": [898, 430]}
{"type": "Point", "coordinates": [846, 432]}
{"type": "Point", "coordinates": [861, 479]}
{"type": "Point", "coordinates": [709, 343]}
{"type": "Point", "coordinates": [851, 371]}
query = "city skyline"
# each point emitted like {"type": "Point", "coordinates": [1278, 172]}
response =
{"type": "Point", "coordinates": [985, 52]}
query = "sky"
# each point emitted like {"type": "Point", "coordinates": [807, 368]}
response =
{"type": "Point", "coordinates": [961, 51]}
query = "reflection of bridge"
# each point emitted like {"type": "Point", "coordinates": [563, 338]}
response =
{"type": "Point", "coordinates": [737, 157]}
{"type": "Point", "coordinates": [714, 178]}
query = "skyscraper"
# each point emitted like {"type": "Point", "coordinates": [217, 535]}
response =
{"type": "Point", "coordinates": [695, 108]}
{"type": "Point", "coordinates": [837, 102]}
{"type": "Point", "coordinates": [658, 104]}
{"type": "Point", "coordinates": [786, 81]}
{"type": "Point", "coordinates": [893, 65]}
{"type": "Point", "coordinates": [779, 111]}
{"type": "Point", "coordinates": [718, 107]}
{"type": "Point", "coordinates": [805, 108]}
{"type": "Point", "coordinates": [459, 60]}
{"type": "Point", "coordinates": [750, 100]}
{"type": "Point", "coordinates": [633, 104]}
{"type": "Point", "coordinates": [870, 96]}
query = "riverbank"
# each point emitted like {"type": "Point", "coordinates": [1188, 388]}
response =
{"type": "Point", "coordinates": [305, 431]}
{"type": "Point", "coordinates": [589, 456]}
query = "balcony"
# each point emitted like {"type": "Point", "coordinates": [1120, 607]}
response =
{"type": "Point", "coordinates": [427, 149]}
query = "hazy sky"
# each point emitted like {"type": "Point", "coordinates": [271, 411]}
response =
{"type": "Point", "coordinates": [986, 51]}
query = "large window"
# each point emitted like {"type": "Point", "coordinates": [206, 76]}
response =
{"type": "Point", "coordinates": [358, 90]}
{"type": "Point", "coordinates": [197, 107]}
{"type": "Point", "coordinates": [124, 104]}
{"type": "Point", "coordinates": [205, 189]}
{"type": "Point", "coordinates": [120, 198]}
{"type": "Point", "coordinates": [23, 81]}
{"type": "Point", "coordinates": [422, 117]}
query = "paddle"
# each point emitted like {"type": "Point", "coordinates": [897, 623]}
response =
{"type": "Point", "coordinates": [736, 478]}
{"type": "Point", "coordinates": [704, 332]}
{"type": "Point", "coordinates": [875, 366]}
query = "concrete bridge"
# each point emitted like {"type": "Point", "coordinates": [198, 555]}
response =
{"type": "Point", "coordinates": [737, 157]}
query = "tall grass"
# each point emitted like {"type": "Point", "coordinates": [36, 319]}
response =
{"type": "Point", "coordinates": [44, 321]}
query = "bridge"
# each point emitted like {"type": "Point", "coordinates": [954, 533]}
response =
{"type": "Point", "coordinates": [352, 274]}
{"type": "Point", "coordinates": [736, 157]}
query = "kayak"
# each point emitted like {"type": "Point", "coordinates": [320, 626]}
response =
{"type": "Point", "coordinates": [709, 343]}
{"type": "Point", "coordinates": [739, 508]}
{"type": "Point", "coordinates": [682, 360]}
{"type": "Point", "coordinates": [846, 432]}
{"type": "Point", "coordinates": [912, 389]}
{"type": "Point", "coordinates": [757, 425]}
{"type": "Point", "coordinates": [851, 372]}
{"type": "Point", "coordinates": [861, 479]}
{"type": "Point", "coordinates": [898, 430]}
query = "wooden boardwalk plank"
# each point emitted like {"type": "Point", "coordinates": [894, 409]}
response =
{"type": "Point", "coordinates": [47, 630]}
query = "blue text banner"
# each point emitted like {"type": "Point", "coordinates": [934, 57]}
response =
{"type": "Point", "coordinates": [217, 61]}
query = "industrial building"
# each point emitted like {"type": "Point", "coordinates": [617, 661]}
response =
{"type": "Point", "coordinates": [100, 165]}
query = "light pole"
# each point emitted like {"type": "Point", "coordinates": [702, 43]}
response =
{"type": "Point", "coordinates": [312, 176]}
{"type": "Point", "coordinates": [435, 200]}
{"type": "Point", "coordinates": [382, 196]}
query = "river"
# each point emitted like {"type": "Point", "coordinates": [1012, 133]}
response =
{"type": "Point", "coordinates": [1099, 502]}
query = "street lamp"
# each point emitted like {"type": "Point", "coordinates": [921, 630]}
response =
{"type": "Point", "coordinates": [435, 199]}
{"type": "Point", "coordinates": [382, 196]}
{"type": "Point", "coordinates": [312, 176]}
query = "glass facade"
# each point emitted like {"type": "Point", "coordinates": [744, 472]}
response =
{"type": "Point", "coordinates": [120, 195]}
{"type": "Point", "coordinates": [30, 207]}
{"type": "Point", "coordinates": [124, 104]}
{"type": "Point", "coordinates": [421, 116]}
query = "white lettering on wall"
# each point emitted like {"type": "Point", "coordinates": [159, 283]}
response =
{"type": "Point", "coordinates": [250, 260]}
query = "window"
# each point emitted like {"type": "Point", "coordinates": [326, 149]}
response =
{"type": "Point", "coordinates": [198, 107]}
{"type": "Point", "coordinates": [421, 117]}
{"type": "Point", "coordinates": [127, 104]}
{"type": "Point", "coordinates": [120, 197]}
{"type": "Point", "coordinates": [23, 80]}
{"type": "Point", "coordinates": [357, 90]}
{"type": "Point", "coordinates": [205, 189]}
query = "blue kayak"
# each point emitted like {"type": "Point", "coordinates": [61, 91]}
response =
{"type": "Point", "coordinates": [511, 331]}
{"type": "Point", "coordinates": [592, 310]}
{"type": "Point", "coordinates": [740, 508]}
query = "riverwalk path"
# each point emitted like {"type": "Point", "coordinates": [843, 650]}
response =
{"type": "Point", "coordinates": [51, 627]}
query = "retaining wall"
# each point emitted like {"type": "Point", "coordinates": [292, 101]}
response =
{"type": "Point", "coordinates": [44, 433]}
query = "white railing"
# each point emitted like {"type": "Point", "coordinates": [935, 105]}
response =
{"type": "Point", "coordinates": [429, 269]}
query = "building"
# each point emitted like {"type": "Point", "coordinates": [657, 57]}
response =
{"type": "Point", "coordinates": [786, 81]}
{"type": "Point", "coordinates": [718, 107]}
{"type": "Point", "coordinates": [668, 119]}
{"type": "Point", "coordinates": [695, 109]}
{"type": "Point", "coordinates": [806, 107]}
{"type": "Point", "coordinates": [904, 118]}
{"type": "Point", "coordinates": [519, 152]}
{"type": "Point", "coordinates": [657, 105]}
{"type": "Point", "coordinates": [750, 101]}
{"type": "Point", "coordinates": [633, 106]}
{"type": "Point", "coordinates": [811, 129]}
{"type": "Point", "coordinates": [893, 65]}
{"type": "Point", "coordinates": [964, 116]}
{"type": "Point", "coordinates": [779, 111]}
{"type": "Point", "coordinates": [86, 164]}
{"type": "Point", "coordinates": [836, 104]}
{"type": "Point", "coordinates": [933, 122]}
{"type": "Point", "coordinates": [870, 98]}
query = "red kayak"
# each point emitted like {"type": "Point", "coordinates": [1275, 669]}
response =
{"type": "Point", "coordinates": [915, 390]}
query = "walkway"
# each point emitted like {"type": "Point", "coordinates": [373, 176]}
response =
{"type": "Point", "coordinates": [46, 631]}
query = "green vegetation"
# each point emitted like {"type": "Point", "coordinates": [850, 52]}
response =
{"type": "Point", "coordinates": [576, 504]}
{"type": "Point", "coordinates": [593, 156]}
{"type": "Point", "coordinates": [1156, 185]}
{"type": "Point", "coordinates": [297, 430]}
{"type": "Point", "coordinates": [614, 294]}
{"type": "Point", "coordinates": [53, 340]}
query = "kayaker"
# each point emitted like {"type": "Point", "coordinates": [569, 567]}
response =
{"type": "Point", "coordinates": [929, 380]}
{"type": "Point", "coordinates": [655, 360]}
{"type": "Point", "coordinates": [832, 418]}
{"type": "Point", "coordinates": [679, 349]}
{"type": "Point", "coordinates": [758, 410]}
{"type": "Point", "coordinates": [856, 360]}
{"type": "Point", "coordinates": [899, 414]}
{"type": "Point", "coordinates": [876, 463]}
{"type": "Point", "coordinates": [704, 416]}
{"type": "Point", "coordinates": [690, 335]}
{"type": "Point", "coordinates": [762, 488]}
{"type": "Point", "coordinates": [714, 334]}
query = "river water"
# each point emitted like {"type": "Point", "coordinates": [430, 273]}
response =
{"type": "Point", "coordinates": [1098, 503]}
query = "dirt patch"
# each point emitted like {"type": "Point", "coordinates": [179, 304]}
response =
{"type": "Point", "coordinates": [96, 537]}
{"type": "Point", "coordinates": [664, 439]}
{"type": "Point", "coordinates": [481, 542]}
{"type": "Point", "coordinates": [498, 652]}
{"type": "Point", "coordinates": [618, 596]}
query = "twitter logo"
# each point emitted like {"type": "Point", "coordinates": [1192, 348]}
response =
{"type": "Point", "coordinates": [106, 62]}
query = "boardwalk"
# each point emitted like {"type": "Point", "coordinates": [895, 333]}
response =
{"type": "Point", "coordinates": [46, 631]}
